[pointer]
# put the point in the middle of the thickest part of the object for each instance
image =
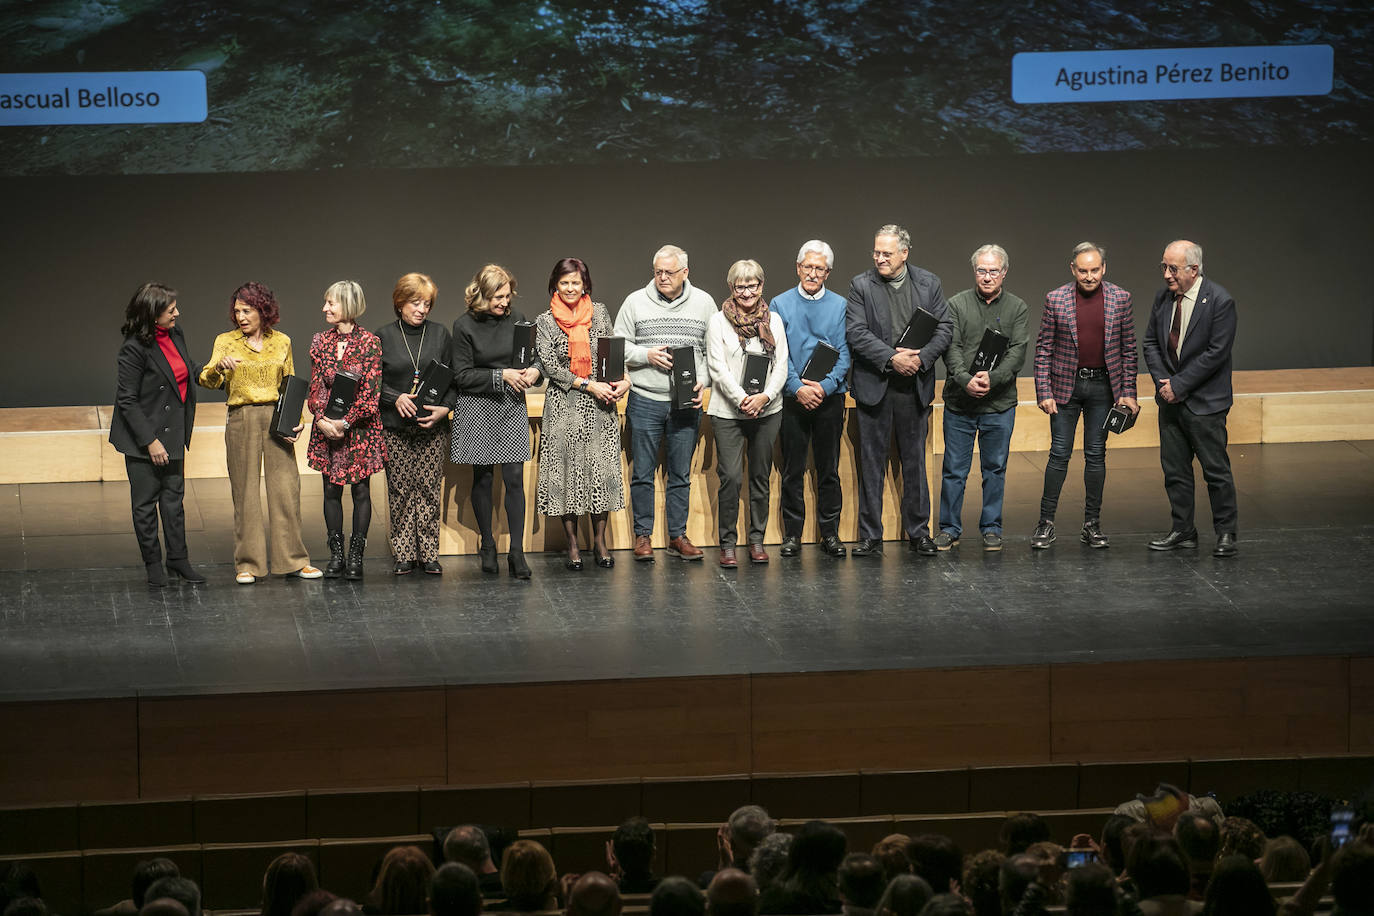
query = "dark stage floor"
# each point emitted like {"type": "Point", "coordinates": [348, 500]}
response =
{"type": "Point", "coordinates": [78, 621]}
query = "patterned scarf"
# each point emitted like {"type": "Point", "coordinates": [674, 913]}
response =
{"type": "Point", "coordinates": [751, 324]}
{"type": "Point", "coordinates": [576, 322]}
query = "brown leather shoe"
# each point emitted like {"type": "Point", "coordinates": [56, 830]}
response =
{"type": "Point", "coordinates": [757, 554]}
{"type": "Point", "coordinates": [684, 549]}
{"type": "Point", "coordinates": [727, 558]}
{"type": "Point", "coordinates": [644, 548]}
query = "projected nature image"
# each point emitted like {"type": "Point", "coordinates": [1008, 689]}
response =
{"type": "Point", "coordinates": [315, 84]}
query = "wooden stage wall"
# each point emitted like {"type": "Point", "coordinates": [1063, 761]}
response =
{"type": "Point", "coordinates": [157, 747]}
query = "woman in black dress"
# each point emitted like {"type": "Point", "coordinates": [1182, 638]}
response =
{"type": "Point", "coordinates": [490, 423]}
{"type": "Point", "coordinates": [154, 415]}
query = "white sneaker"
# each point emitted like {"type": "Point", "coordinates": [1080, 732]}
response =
{"type": "Point", "coordinates": [245, 578]}
{"type": "Point", "coordinates": [306, 572]}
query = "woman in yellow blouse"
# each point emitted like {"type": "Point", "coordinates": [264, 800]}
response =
{"type": "Point", "coordinates": [249, 362]}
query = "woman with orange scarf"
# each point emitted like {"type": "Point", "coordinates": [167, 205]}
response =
{"type": "Point", "coordinates": [579, 448]}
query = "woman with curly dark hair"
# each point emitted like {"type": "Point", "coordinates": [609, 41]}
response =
{"type": "Point", "coordinates": [154, 415]}
{"type": "Point", "coordinates": [249, 363]}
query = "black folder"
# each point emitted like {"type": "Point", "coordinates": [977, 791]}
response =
{"type": "Point", "coordinates": [990, 351]}
{"type": "Point", "coordinates": [342, 394]}
{"type": "Point", "coordinates": [291, 397]}
{"type": "Point", "coordinates": [1118, 420]}
{"type": "Point", "coordinates": [522, 350]}
{"type": "Point", "coordinates": [610, 359]}
{"type": "Point", "coordinates": [755, 374]}
{"type": "Point", "coordinates": [683, 381]}
{"type": "Point", "coordinates": [821, 363]}
{"type": "Point", "coordinates": [918, 330]}
{"type": "Point", "coordinates": [430, 389]}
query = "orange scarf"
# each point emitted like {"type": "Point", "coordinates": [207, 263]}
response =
{"type": "Point", "coordinates": [576, 322]}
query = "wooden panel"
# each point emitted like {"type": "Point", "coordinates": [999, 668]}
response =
{"type": "Point", "coordinates": [264, 742]}
{"type": "Point", "coordinates": [50, 457]}
{"type": "Point", "coordinates": [362, 812]}
{"type": "Point", "coordinates": [146, 822]}
{"type": "Point", "coordinates": [900, 719]}
{"type": "Point", "coordinates": [1325, 417]}
{"type": "Point", "coordinates": [1112, 783]}
{"type": "Point", "coordinates": [806, 796]}
{"type": "Point", "coordinates": [1362, 705]}
{"type": "Point", "coordinates": [682, 798]}
{"type": "Point", "coordinates": [38, 828]}
{"type": "Point", "coordinates": [1230, 779]}
{"type": "Point", "coordinates": [914, 791]}
{"type": "Point", "coordinates": [1210, 708]}
{"type": "Point", "coordinates": [689, 849]}
{"type": "Point", "coordinates": [232, 873]}
{"type": "Point", "coordinates": [1345, 777]}
{"type": "Point", "coordinates": [48, 419]}
{"type": "Point", "coordinates": [600, 729]}
{"type": "Point", "coordinates": [584, 804]}
{"type": "Point", "coordinates": [506, 805]}
{"type": "Point", "coordinates": [71, 750]}
{"type": "Point", "coordinates": [269, 817]}
{"type": "Point", "coordinates": [1064, 825]}
{"type": "Point", "coordinates": [1050, 786]}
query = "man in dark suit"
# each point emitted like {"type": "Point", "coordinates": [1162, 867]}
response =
{"type": "Point", "coordinates": [1188, 352]}
{"type": "Point", "coordinates": [1084, 363]}
{"type": "Point", "coordinates": [894, 386]}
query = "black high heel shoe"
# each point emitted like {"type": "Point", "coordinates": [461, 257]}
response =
{"type": "Point", "coordinates": [488, 554]}
{"type": "Point", "coordinates": [515, 563]}
{"type": "Point", "coordinates": [183, 569]}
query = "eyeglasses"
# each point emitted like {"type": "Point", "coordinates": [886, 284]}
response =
{"type": "Point", "coordinates": [666, 274]}
{"type": "Point", "coordinates": [1173, 271]}
{"type": "Point", "coordinates": [742, 288]}
{"type": "Point", "coordinates": [809, 269]}
{"type": "Point", "coordinates": [991, 273]}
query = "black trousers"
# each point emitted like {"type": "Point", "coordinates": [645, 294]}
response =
{"type": "Point", "coordinates": [818, 432]}
{"type": "Point", "coordinates": [1183, 435]}
{"type": "Point", "coordinates": [158, 490]}
{"type": "Point", "coordinates": [898, 413]}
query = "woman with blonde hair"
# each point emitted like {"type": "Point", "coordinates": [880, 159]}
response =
{"type": "Point", "coordinates": [491, 425]}
{"type": "Point", "coordinates": [528, 877]}
{"type": "Point", "coordinates": [347, 450]}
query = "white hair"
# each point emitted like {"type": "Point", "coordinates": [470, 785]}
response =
{"type": "Point", "coordinates": [820, 248]}
{"type": "Point", "coordinates": [671, 251]}
{"type": "Point", "coordinates": [997, 250]}
{"type": "Point", "coordinates": [1192, 252]}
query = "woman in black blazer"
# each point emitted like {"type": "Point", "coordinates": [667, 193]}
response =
{"type": "Point", "coordinates": [154, 414]}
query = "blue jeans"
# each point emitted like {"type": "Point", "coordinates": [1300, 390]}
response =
{"type": "Point", "coordinates": [651, 423]}
{"type": "Point", "coordinates": [993, 432]}
{"type": "Point", "coordinates": [1091, 399]}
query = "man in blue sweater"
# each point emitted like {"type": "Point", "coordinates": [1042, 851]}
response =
{"type": "Point", "coordinates": [812, 411]}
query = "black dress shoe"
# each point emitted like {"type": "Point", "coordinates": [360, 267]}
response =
{"type": "Point", "coordinates": [868, 547]}
{"type": "Point", "coordinates": [1226, 545]}
{"type": "Point", "coordinates": [573, 565]}
{"type": "Point", "coordinates": [832, 546]}
{"type": "Point", "coordinates": [182, 569]}
{"type": "Point", "coordinates": [924, 546]}
{"type": "Point", "coordinates": [432, 567]}
{"type": "Point", "coordinates": [403, 567]}
{"type": "Point", "coordinates": [1176, 540]}
{"type": "Point", "coordinates": [791, 547]}
{"type": "Point", "coordinates": [604, 560]}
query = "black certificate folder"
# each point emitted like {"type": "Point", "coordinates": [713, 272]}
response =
{"type": "Point", "coordinates": [821, 363]}
{"type": "Point", "coordinates": [918, 331]}
{"type": "Point", "coordinates": [433, 385]}
{"type": "Point", "coordinates": [684, 376]}
{"type": "Point", "coordinates": [522, 350]}
{"type": "Point", "coordinates": [286, 416]}
{"type": "Point", "coordinates": [610, 359]}
{"type": "Point", "coordinates": [1119, 419]}
{"type": "Point", "coordinates": [990, 352]}
{"type": "Point", "coordinates": [755, 374]}
{"type": "Point", "coordinates": [342, 394]}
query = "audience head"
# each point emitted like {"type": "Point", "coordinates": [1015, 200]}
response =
{"type": "Point", "coordinates": [947, 905]}
{"type": "Point", "coordinates": [768, 861]}
{"type": "Point", "coordinates": [906, 895]}
{"type": "Point", "coordinates": [890, 851]}
{"type": "Point", "coordinates": [1091, 891]}
{"type": "Point", "coordinates": [1112, 854]}
{"type": "Point", "coordinates": [633, 845]}
{"type": "Point", "coordinates": [467, 845]}
{"type": "Point", "coordinates": [147, 872]}
{"type": "Point", "coordinates": [937, 859]}
{"type": "Point", "coordinates": [1016, 874]}
{"type": "Point", "coordinates": [1352, 879]}
{"type": "Point", "coordinates": [1199, 839]}
{"type": "Point", "coordinates": [315, 903]}
{"type": "Point", "coordinates": [732, 893]}
{"type": "Point", "coordinates": [676, 896]}
{"type": "Point", "coordinates": [1241, 836]}
{"type": "Point", "coordinates": [861, 880]}
{"type": "Point", "coordinates": [340, 906]}
{"type": "Point", "coordinates": [403, 881]}
{"type": "Point", "coordinates": [1284, 860]}
{"type": "Point", "coordinates": [1019, 831]}
{"type": "Point", "coordinates": [163, 906]}
{"type": "Point", "coordinates": [593, 894]}
{"type": "Point", "coordinates": [527, 874]}
{"type": "Point", "coordinates": [1129, 837]}
{"type": "Point", "coordinates": [1158, 866]}
{"type": "Point", "coordinates": [748, 826]}
{"type": "Point", "coordinates": [979, 882]}
{"type": "Point", "coordinates": [288, 878]}
{"type": "Point", "coordinates": [26, 906]}
{"type": "Point", "coordinates": [1238, 889]}
{"type": "Point", "coordinates": [183, 890]}
{"type": "Point", "coordinates": [817, 849]}
{"type": "Point", "coordinates": [18, 881]}
{"type": "Point", "coordinates": [453, 891]}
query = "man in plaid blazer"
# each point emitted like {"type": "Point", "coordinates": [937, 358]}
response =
{"type": "Point", "coordinates": [1085, 361]}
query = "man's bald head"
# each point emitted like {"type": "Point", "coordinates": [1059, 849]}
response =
{"type": "Point", "coordinates": [594, 894]}
{"type": "Point", "coordinates": [732, 893]}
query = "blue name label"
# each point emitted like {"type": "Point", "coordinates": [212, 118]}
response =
{"type": "Point", "coordinates": [1041, 77]}
{"type": "Point", "coordinates": [133, 97]}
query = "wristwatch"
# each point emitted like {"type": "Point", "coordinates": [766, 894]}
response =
{"type": "Point", "coordinates": [585, 383]}
{"type": "Point", "coordinates": [346, 425]}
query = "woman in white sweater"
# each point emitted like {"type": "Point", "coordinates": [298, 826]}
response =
{"type": "Point", "coordinates": [745, 420]}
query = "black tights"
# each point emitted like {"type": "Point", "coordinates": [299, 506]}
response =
{"type": "Point", "coordinates": [513, 476]}
{"type": "Point", "coordinates": [362, 505]}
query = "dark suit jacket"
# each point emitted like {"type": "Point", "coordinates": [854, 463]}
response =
{"type": "Point", "coordinates": [868, 326]}
{"type": "Point", "coordinates": [1202, 376]}
{"type": "Point", "coordinates": [147, 406]}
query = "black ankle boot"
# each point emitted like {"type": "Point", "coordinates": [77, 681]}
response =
{"type": "Point", "coordinates": [488, 555]}
{"type": "Point", "coordinates": [182, 568]}
{"type": "Point", "coordinates": [336, 556]}
{"type": "Point", "coordinates": [354, 569]}
{"type": "Point", "coordinates": [156, 577]}
{"type": "Point", "coordinates": [515, 562]}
